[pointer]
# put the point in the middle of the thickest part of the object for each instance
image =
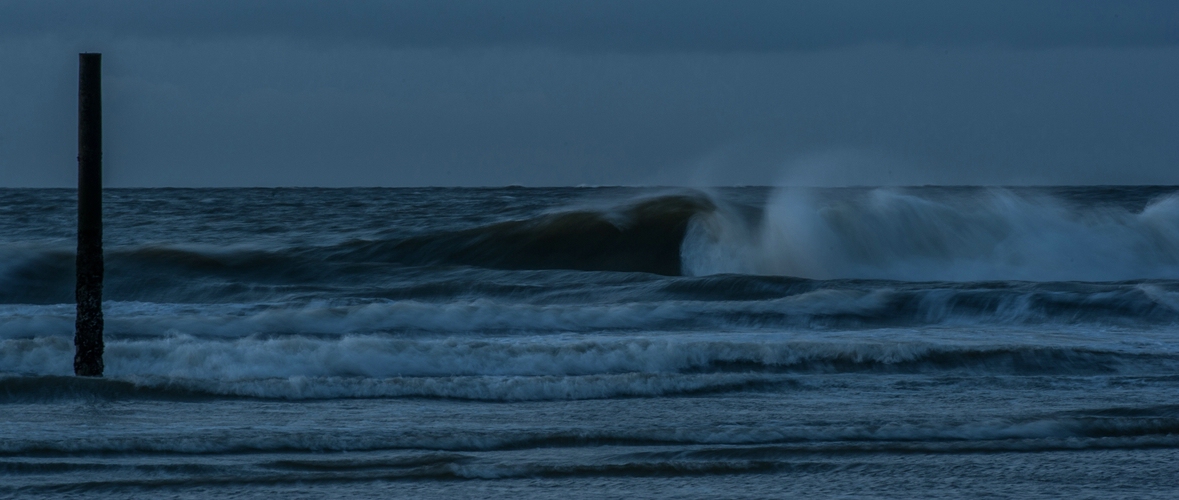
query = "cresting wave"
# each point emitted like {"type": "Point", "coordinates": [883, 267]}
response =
{"type": "Point", "coordinates": [643, 235]}
{"type": "Point", "coordinates": [927, 235]}
{"type": "Point", "coordinates": [640, 235]}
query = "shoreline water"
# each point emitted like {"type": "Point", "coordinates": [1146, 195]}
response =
{"type": "Point", "coordinates": [471, 342]}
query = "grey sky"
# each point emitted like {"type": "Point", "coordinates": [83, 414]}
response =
{"type": "Point", "coordinates": [553, 92]}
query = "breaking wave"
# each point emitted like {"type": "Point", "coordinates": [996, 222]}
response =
{"type": "Point", "coordinates": [705, 304]}
{"type": "Point", "coordinates": [513, 369]}
{"type": "Point", "coordinates": [926, 235]}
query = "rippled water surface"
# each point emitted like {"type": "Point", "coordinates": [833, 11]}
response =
{"type": "Point", "coordinates": [599, 342]}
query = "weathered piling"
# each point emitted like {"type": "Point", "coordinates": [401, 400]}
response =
{"type": "Point", "coordinates": [88, 288]}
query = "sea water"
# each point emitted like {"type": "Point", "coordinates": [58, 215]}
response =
{"type": "Point", "coordinates": [598, 343]}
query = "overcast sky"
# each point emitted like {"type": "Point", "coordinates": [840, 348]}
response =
{"type": "Point", "coordinates": [602, 92]}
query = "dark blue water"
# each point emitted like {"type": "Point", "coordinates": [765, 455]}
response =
{"type": "Point", "coordinates": [599, 342]}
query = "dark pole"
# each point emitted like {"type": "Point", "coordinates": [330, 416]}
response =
{"type": "Point", "coordinates": [88, 289]}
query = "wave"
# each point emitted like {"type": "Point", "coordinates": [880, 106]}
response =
{"type": "Point", "coordinates": [638, 235]}
{"type": "Point", "coordinates": [893, 234]}
{"type": "Point", "coordinates": [643, 235]}
{"type": "Point", "coordinates": [938, 235]}
{"type": "Point", "coordinates": [726, 303]}
{"type": "Point", "coordinates": [513, 369]}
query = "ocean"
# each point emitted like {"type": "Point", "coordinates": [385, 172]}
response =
{"type": "Point", "coordinates": [923, 342]}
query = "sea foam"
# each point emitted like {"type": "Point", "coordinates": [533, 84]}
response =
{"type": "Point", "coordinates": [898, 234]}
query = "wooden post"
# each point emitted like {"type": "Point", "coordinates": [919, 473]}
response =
{"type": "Point", "coordinates": [88, 290]}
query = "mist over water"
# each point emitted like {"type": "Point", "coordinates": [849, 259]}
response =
{"type": "Point", "coordinates": [275, 340]}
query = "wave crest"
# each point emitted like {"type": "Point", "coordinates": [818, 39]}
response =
{"type": "Point", "coordinates": [930, 235]}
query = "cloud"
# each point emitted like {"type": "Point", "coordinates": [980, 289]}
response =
{"type": "Point", "coordinates": [273, 113]}
{"type": "Point", "coordinates": [615, 25]}
{"type": "Point", "coordinates": [265, 92]}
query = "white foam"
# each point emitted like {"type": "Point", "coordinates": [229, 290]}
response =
{"type": "Point", "coordinates": [619, 362]}
{"type": "Point", "coordinates": [897, 234]}
{"type": "Point", "coordinates": [460, 316]}
{"type": "Point", "coordinates": [929, 305]}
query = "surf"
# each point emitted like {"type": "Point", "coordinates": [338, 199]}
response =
{"type": "Point", "coordinates": [916, 234]}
